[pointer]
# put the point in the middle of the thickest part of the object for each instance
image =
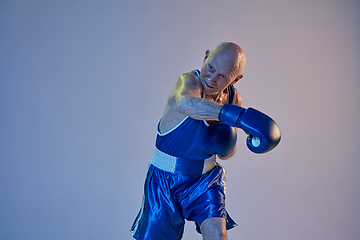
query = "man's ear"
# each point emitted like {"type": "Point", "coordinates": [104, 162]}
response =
{"type": "Point", "coordinates": [207, 53]}
{"type": "Point", "coordinates": [237, 79]}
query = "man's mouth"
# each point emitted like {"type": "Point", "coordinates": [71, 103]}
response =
{"type": "Point", "coordinates": [207, 84]}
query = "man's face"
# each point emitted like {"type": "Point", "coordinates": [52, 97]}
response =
{"type": "Point", "coordinates": [217, 73]}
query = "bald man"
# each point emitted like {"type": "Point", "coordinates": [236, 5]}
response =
{"type": "Point", "coordinates": [184, 181]}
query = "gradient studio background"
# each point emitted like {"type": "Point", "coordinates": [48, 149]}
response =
{"type": "Point", "coordinates": [84, 83]}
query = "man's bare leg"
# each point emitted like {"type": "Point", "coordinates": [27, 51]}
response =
{"type": "Point", "coordinates": [214, 229]}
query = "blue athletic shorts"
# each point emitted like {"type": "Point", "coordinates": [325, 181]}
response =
{"type": "Point", "coordinates": [170, 198]}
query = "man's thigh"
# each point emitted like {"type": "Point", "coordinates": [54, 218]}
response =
{"type": "Point", "coordinates": [159, 216]}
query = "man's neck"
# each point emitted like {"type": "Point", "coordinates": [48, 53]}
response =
{"type": "Point", "coordinates": [219, 97]}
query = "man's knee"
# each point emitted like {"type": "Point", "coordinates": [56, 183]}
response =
{"type": "Point", "coordinates": [214, 228]}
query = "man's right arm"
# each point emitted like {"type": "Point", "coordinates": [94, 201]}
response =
{"type": "Point", "coordinates": [188, 101]}
{"type": "Point", "coordinates": [185, 100]}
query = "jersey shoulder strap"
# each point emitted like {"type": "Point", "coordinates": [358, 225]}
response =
{"type": "Point", "coordinates": [198, 72]}
{"type": "Point", "coordinates": [231, 94]}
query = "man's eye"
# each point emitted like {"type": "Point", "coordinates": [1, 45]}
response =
{"type": "Point", "coordinates": [210, 67]}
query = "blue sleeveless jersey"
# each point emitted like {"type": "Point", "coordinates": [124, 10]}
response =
{"type": "Point", "coordinates": [186, 139]}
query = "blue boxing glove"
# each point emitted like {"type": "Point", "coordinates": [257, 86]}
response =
{"type": "Point", "coordinates": [264, 134]}
{"type": "Point", "coordinates": [220, 139]}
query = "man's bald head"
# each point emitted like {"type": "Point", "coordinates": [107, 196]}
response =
{"type": "Point", "coordinates": [232, 54]}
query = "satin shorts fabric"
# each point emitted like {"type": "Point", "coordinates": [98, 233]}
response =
{"type": "Point", "coordinates": [170, 198]}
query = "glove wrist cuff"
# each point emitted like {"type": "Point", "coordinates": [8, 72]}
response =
{"type": "Point", "coordinates": [223, 112]}
{"type": "Point", "coordinates": [230, 114]}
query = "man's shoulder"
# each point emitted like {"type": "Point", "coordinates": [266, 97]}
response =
{"type": "Point", "coordinates": [190, 78]}
{"type": "Point", "coordinates": [188, 83]}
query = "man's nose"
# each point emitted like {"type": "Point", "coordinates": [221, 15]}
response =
{"type": "Point", "coordinates": [212, 78]}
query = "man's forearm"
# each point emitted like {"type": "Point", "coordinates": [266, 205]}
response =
{"type": "Point", "coordinates": [199, 108]}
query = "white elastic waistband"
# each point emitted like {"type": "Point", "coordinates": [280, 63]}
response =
{"type": "Point", "coordinates": [173, 164]}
